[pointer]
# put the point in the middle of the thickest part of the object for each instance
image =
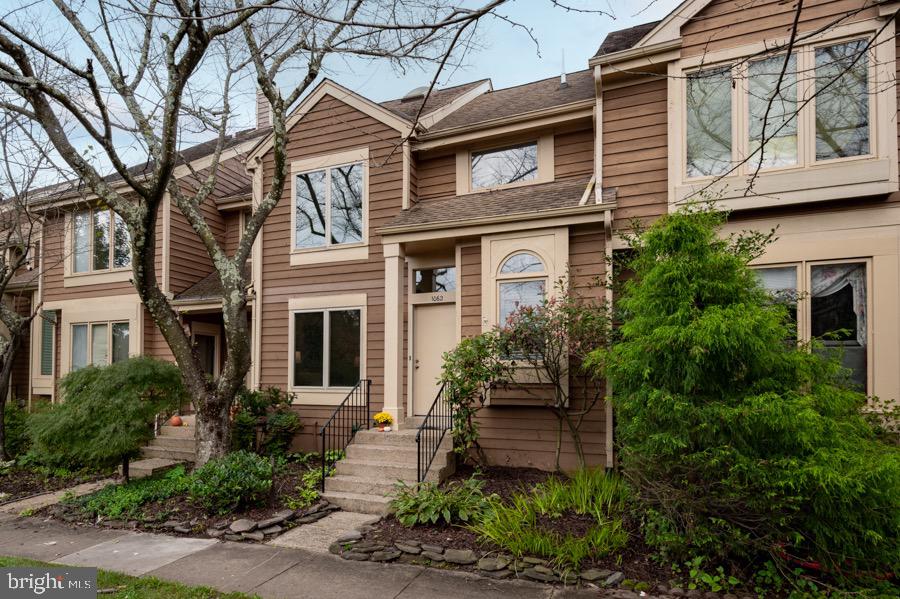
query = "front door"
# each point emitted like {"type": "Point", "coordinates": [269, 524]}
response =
{"type": "Point", "coordinates": [434, 332]}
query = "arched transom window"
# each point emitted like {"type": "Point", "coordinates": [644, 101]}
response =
{"type": "Point", "coordinates": [522, 281]}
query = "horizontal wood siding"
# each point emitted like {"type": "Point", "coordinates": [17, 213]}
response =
{"type": "Point", "coordinates": [573, 153]}
{"type": "Point", "coordinates": [55, 255]}
{"type": "Point", "coordinates": [470, 290]}
{"type": "Point", "coordinates": [635, 149]}
{"type": "Point", "coordinates": [21, 373]}
{"type": "Point", "coordinates": [519, 435]}
{"type": "Point", "coordinates": [730, 23]}
{"type": "Point", "coordinates": [155, 345]}
{"type": "Point", "coordinates": [436, 177]}
{"type": "Point", "coordinates": [331, 126]}
{"type": "Point", "coordinates": [232, 231]}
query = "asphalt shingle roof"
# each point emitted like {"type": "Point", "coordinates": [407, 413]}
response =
{"type": "Point", "coordinates": [438, 98]}
{"type": "Point", "coordinates": [207, 288]}
{"type": "Point", "coordinates": [527, 200]}
{"type": "Point", "coordinates": [521, 99]}
{"type": "Point", "coordinates": [623, 39]}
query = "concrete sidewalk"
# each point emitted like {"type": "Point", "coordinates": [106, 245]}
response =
{"type": "Point", "coordinates": [271, 572]}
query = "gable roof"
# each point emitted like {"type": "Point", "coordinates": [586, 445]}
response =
{"type": "Point", "coordinates": [520, 100]}
{"type": "Point", "coordinates": [623, 39]}
{"type": "Point", "coordinates": [438, 98]}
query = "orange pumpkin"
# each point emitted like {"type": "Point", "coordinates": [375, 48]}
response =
{"type": "Point", "coordinates": [175, 421]}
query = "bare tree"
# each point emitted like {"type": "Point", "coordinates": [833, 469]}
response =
{"type": "Point", "coordinates": [137, 76]}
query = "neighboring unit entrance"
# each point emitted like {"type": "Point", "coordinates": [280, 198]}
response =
{"type": "Point", "coordinates": [434, 327]}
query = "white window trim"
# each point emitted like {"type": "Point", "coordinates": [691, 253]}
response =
{"type": "Point", "coordinates": [804, 312]}
{"type": "Point", "coordinates": [210, 330]}
{"type": "Point", "coordinates": [326, 396]}
{"type": "Point", "coordinates": [330, 253]}
{"type": "Point", "coordinates": [809, 180]}
{"type": "Point", "coordinates": [90, 277]}
{"type": "Point", "coordinates": [545, 164]}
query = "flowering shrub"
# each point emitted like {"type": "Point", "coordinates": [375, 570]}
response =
{"type": "Point", "coordinates": [383, 419]}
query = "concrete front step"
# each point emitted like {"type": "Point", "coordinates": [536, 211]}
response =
{"type": "Point", "coordinates": [360, 485]}
{"type": "Point", "coordinates": [149, 467]}
{"type": "Point", "coordinates": [177, 443]}
{"type": "Point", "coordinates": [387, 472]}
{"type": "Point", "coordinates": [181, 432]}
{"type": "Point", "coordinates": [356, 502]}
{"type": "Point", "coordinates": [167, 453]}
{"type": "Point", "coordinates": [403, 437]}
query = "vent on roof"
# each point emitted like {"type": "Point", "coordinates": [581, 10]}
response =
{"type": "Point", "coordinates": [415, 94]}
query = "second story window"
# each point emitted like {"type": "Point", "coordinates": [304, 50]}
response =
{"type": "Point", "coordinates": [100, 241]}
{"type": "Point", "coordinates": [780, 111]}
{"type": "Point", "coordinates": [505, 166]}
{"type": "Point", "coordinates": [329, 207]}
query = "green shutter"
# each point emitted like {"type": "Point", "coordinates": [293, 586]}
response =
{"type": "Point", "coordinates": [48, 320]}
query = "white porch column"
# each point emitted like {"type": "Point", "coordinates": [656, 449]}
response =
{"type": "Point", "coordinates": [394, 271]}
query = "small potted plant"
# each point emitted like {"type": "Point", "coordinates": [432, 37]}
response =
{"type": "Point", "coordinates": [383, 421]}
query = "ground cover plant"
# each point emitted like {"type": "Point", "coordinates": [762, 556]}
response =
{"type": "Point", "coordinates": [742, 446]}
{"type": "Point", "coordinates": [237, 479]}
{"type": "Point", "coordinates": [457, 502]}
{"type": "Point", "coordinates": [117, 502]}
{"type": "Point", "coordinates": [566, 521]}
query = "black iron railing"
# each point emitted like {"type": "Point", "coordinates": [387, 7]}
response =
{"type": "Point", "coordinates": [432, 431]}
{"type": "Point", "coordinates": [350, 416]}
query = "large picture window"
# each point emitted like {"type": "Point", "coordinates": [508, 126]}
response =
{"type": "Point", "coordinates": [830, 304]}
{"type": "Point", "coordinates": [327, 348]}
{"type": "Point", "coordinates": [329, 207]}
{"type": "Point", "coordinates": [99, 343]}
{"type": "Point", "coordinates": [754, 114]}
{"type": "Point", "coordinates": [100, 241]}
{"type": "Point", "coordinates": [505, 166]}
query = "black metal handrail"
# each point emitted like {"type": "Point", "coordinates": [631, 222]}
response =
{"type": "Point", "coordinates": [438, 421]}
{"type": "Point", "coordinates": [350, 416]}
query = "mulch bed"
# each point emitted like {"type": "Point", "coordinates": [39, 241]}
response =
{"type": "Point", "coordinates": [191, 520]}
{"type": "Point", "coordinates": [20, 483]}
{"type": "Point", "coordinates": [634, 560]}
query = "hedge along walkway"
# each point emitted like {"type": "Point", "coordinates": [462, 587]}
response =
{"type": "Point", "coordinates": [37, 502]}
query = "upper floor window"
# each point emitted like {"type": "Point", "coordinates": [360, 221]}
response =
{"type": "Point", "coordinates": [100, 241]}
{"type": "Point", "coordinates": [757, 111]}
{"type": "Point", "coordinates": [329, 207]}
{"type": "Point", "coordinates": [505, 166]}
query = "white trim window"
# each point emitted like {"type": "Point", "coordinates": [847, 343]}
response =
{"type": "Point", "coordinates": [763, 110]}
{"type": "Point", "coordinates": [500, 167]}
{"type": "Point", "coordinates": [100, 241]}
{"type": "Point", "coordinates": [328, 206]}
{"type": "Point", "coordinates": [99, 343]}
{"type": "Point", "coordinates": [521, 282]}
{"type": "Point", "coordinates": [830, 302]}
{"type": "Point", "coordinates": [326, 348]}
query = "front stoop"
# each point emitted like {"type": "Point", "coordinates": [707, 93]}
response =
{"type": "Point", "coordinates": [173, 446]}
{"type": "Point", "coordinates": [364, 481]}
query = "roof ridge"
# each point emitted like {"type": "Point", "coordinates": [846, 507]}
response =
{"type": "Point", "coordinates": [501, 89]}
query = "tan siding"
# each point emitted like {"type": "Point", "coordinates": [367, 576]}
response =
{"type": "Point", "coordinates": [635, 149]}
{"type": "Point", "coordinates": [513, 434]}
{"type": "Point", "coordinates": [329, 127]}
{"type": "Point", "coordinates": [54, 272]}
{"type": "Point", "coordinates": [232, 231]}
{"type": "Point", "coordinates": [730, 23]}
{"type": "Point", "coordinates": [155, 344]}
{"type": "Point", "coordinates": [470, 290]}
{"type": "Point", "coordinates": [573, 154]}
{"type": "Point", "coordinates": [437, 177]}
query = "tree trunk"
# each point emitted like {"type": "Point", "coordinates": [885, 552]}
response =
{"type": "Point", "coordinates": [125, 464]}
{"type": "Point", "coordinates": [213, 432]}
{"type": "Point", "coordinates": [5, 376]}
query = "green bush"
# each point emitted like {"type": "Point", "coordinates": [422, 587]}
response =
{"type": "Point", "coordinates": [239, 479]}
{"type": "Point", "coordinates": [527, 525]}
{"type": "Point", "coordinates": [16, 431]}
{"type": "Point", "coordinates": [269, 412]}
{"type": "Point", "coordinates": [427, 503]}
{"type": "Point", "coordinates": [738, 442]}
{"type": "Point", "coordinates": [125, 501]}
{"type": "Point", "coordinates": [107, 413]}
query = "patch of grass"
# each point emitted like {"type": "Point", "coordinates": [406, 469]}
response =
{"type": "Point", "coordinates": [116, 502]}
{"type": "Point", "coordinates": [130, 587]}
{"type": "Point", "coordinates": [534, 523]}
